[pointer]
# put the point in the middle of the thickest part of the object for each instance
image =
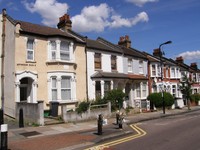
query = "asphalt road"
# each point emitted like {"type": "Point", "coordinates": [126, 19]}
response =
{"type": "Point", "coordinates": [181, 132]}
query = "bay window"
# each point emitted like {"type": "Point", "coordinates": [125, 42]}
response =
{"type": "Point", "coordinates": [64, 50]}
{"type": "Point", "coordinates": [61, 50]}
{"type": "Point", "coordinates": [62, 86]}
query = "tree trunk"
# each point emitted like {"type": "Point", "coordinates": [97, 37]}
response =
{"type": "Point", "coordinates": [188, 104]}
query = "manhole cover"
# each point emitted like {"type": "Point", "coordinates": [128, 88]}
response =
{"type": "Point", "coordinates": [32, 133]}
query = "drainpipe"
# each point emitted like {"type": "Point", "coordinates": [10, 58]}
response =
{"type": "Point", "coordinates": [87, 97]}
{"type": "Point", "coordinates": [2, 57]}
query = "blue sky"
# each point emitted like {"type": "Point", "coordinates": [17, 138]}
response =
{"type": "Point", "coordinates": [147, 22]}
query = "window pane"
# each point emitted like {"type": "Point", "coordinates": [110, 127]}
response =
{"type": "Point", "coordinates": [30, 44]}
{"type": "Point", "coordinates": [53, 82]}
{"type": "Point", "coordinates": [54, 94]}
{"type": "Point", "coordinates": [53, 45]}
{"type": "Point", "coordinates": [98, 89]}
{"type": "Point", "coordinates": [64, 46]}
{"type": "Point", "coordinates": [66, 94]}
{"type": "Point", "coordinates": [65, 82]}
{"type": "Point", "coordinates": [97, 60]}
{"type": "Point", "coordinates": [64, 56]}
{"type": "Point", "coordinates": [30, 55]}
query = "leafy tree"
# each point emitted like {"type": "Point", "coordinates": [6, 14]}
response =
{"type": "Point", "coordinates": [185, 87]}
{"type": "Point", "coordinates": [156, 99]}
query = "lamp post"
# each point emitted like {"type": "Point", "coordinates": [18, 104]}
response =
{"type": "Point", "coordinates": [161, 53]}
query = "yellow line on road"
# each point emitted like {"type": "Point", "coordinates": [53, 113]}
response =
{"type": "Point", "coordinates": [139, 131]}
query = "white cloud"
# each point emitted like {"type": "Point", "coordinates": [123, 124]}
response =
{"type": "Point", "coordinates": [97, 18]}
{"type": "Point", "coordinates": [92, 18]}
{"type": "Point", "coordinates": [140, 3]}
{"type": "Point", "coordinates": [50, 10]}
{"type": "Point", "coordinates": [118, 21]}
{"type": "Point", "coordinates": [191, 55]}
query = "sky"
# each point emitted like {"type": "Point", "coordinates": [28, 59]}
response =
{"type": "Point", "coordinates": [148, 23]}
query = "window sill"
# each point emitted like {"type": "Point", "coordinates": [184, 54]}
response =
{"type": "Point", "coordinates": [30, 61]}
{"type": "Point", "coordinates": [59, 62]}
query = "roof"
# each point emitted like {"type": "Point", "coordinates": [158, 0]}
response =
{"type": "Point", "coordinates": [30, 28]}
{"type": "Point", "coordinates": [100, 74]}
{"type": "Point", "coordinates": [133, 52]}
{"type": "Point", "coordinates": [139, 77]}
{"type": "Point", "coordinates": [112, 75]}
{"type": "Point", "coordinates": [97, 45]}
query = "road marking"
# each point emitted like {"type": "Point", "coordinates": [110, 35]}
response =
{"type": "Point", "coordinates": [135, 127]}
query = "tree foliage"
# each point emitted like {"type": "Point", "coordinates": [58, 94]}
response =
{"type": "Point", "coordinates": [116, 97]}
{"type": "Point", "coordinates": [185, 87]}
{"type": "Point", "coordinates": [156, 99]}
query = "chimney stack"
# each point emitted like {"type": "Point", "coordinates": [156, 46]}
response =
{"type": "Point", "coordinates": [65, 23]}
{"type": "Point", "coordinates": [194, 65]}
{"type": "Point", "coordinates": [156, 52]}
{"type": "Point", "coordinates": [179, 60]}
{"type": "Point", "coordinates": [125, 41]}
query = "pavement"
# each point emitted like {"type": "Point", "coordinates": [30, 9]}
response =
{"type": "Point", "coordinates": [70, 136]}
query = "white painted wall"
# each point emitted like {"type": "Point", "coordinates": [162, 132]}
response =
{"type": "Point", "coordinates": [106, 67]}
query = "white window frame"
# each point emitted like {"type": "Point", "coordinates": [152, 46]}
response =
{"type": "Point", "coordinates": [59, 75]}
{"type": "Point", "coordinates": [144, 90]}
{"type": "Point", "coordinates": [30, 50]}
{"type": "Point", "coordinates": [173, 72]}
{"type": "Point", "coordinates": [65, 52]}
{"type": "Point", "coordinates": [53, 51]}
{"type": "Point", "coordinates": [153, 74]}
{"type": "Point", "coordinates": [141, 67]}
{"type": "Point", "coordinates": [130, 65]}
{"type": "Point", "coordinates": [58, 51]}
{"type": "Point", "coordinates": [138, 90]}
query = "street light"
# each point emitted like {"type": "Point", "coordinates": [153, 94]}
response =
{"type": "Point", "coordinates": [161, 53]}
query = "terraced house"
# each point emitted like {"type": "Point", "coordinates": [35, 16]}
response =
{"type": "Point", "coordinates": [42, 64]}
{"type": "Point", "coordinates": [112, 66]}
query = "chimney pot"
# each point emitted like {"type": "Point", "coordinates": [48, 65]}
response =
{"type": "Point", "coordinates": [64, 22]}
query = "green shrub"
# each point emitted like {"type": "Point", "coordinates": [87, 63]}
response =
{"type": "Point", "coordinates": [156, 99]}
{"type": "Point", "coordinates": [116, 97]}
{"type": "Point", "coordinates": [195, 97]}
{"type": "Point", "coordinates": [82, 107]}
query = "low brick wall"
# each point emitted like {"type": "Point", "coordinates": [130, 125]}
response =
{"type": "Point", "coordinates": [92, 113]}
{"type": "Point", "coordinates": [32, 112]}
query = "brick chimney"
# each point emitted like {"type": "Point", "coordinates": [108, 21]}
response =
{"type": "Point", "coordinates": [156, 52]}
{"type": "Point", "coordinates": [65, 23]}
{"type": "Point", "coordinates": [125, 41]}
{"type": "Point", "coordinates": [179, 60]}
{"type": "Point", "coordinates": [194, 65]}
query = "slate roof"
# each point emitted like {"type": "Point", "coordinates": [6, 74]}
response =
{"type": "Point", "coordinates": [113, 75]}
{"type": "Point", "coordinates": [94, 44]}
{"type": "Point", "coordinates": [30, 28]}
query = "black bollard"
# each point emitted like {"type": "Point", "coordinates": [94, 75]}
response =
{"type": "Point", "coordinates": [21, 118]}
{"type": "Point", "coordinates": [121, 118]}
{"type": "Point", "coordinates": [100, 124]}
{"type": "Point", "coordinates": [1, 117]}
{"type": "Point", "coordinates": [4, 137]}
{"type": "Point", "coordinates": [117, 118]}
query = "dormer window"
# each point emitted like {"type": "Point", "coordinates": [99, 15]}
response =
{"type": "Point", "coordinates": [30, 50]}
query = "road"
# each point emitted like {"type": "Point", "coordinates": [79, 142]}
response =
{"type": "Point", "coordinates": [181, 132]}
